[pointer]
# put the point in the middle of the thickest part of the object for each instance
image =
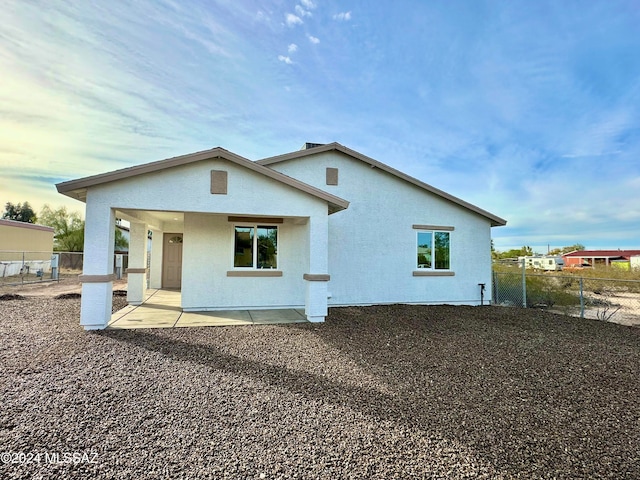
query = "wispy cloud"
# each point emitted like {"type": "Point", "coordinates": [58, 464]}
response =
{"type": "Point", "coordinates": [314, 40]}
{"type": "Point", "coordinates": [292, 48]}
{"type": "Point", "coordinates": [292, 19]}
{"type": "Point", "coordinates": [342, 16]}
{"type": "Point", "coordinates": [285, 59]}
{"type": "Point", "coordinates": [302, 12]}
{"type": "Point", "coordinates": [308, 4]}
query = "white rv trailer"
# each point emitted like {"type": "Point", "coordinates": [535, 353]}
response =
{"type": "Point", "coordinates": [549, 263]}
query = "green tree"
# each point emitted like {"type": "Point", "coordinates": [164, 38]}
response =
{"type": "Point", "coordinates": [573, 248]}
{"type": "Point", "coordinates": [527, 251]}
{"type": "Point", "coordinates": [68, 228]}
{"type": "Point", "coordinates": [568, 249]}
{"type": "Point", "coordinates": [515, 252]}
{"type": "Point", "coordinates": [121, 242]}
{"type": "Point", "coordinates": [495, 254]}
{"type": "Point", "coordinates": [20, 212]}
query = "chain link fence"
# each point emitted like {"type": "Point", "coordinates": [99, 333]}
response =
{"type": "Point", "coordinates": [605, 299]}
{"type": "Point", "coordinates": [23, 267]}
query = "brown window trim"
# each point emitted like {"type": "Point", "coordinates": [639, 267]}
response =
{"type": "Point", "coordinates": [256, 220]}
{"type": "Point", "coordinates": [97, 278]}
{"type": "Point", "coordinates": [442, 228]}
{"type": "Point", "coordinates": [316, 277]}
{"type": "Point", "coordinates": [433, 273]}
{"type": "Point", "coordinates": [136, 270]}
{"type": "Point", "coordinates": [254, 273]}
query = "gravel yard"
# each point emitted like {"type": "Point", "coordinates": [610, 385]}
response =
{"type": "Point", "coordinates": [375, 392]}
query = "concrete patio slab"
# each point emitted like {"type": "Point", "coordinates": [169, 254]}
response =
{"type": "Point", "coordinates": [276, 316]}
{"type": "Point", "coordinates": [224, 317]}
{"type": "Point", "coordinates": [161, 309]}
{"type": "Point", "coordinates": [170, 298]}
{"type": "Point", "coordinates": [147, 317]}
{"type": "Point", "coordinates": [142, 323]}
{"type": "Point", "coordinates": [121, 313]}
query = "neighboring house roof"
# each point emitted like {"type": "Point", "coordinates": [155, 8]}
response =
{"type": "Point", "coordinates": [314, 149]}
{"type": "Point", "coordinates": [33, 226]}
{"type": "Point", "coordinates": [77, 189]}
{"type": "Point", "coordinates": [603, 253]}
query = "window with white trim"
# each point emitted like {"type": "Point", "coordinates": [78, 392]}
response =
{"type": "Point", "coordinates": [256, 246]}
{"type": "Point", "coordinates": [434, 250]}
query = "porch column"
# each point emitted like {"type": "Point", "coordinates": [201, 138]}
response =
{"type": "Point", "coordinates": [155, 269]}
{"type": "Point", "coordinates": [137, 271]}
{"type": "Point", "coordinates": [316, 280]}
{"type": "Point", "coordinates": [97, 268]}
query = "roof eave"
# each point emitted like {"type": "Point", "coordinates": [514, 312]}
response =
{"type": "Point", "coordinates": [85, 182]}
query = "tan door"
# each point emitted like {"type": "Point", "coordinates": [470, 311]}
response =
{"type": "Point", "coordinates": [172, 260]}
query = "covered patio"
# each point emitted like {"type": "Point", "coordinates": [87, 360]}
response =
{"type": "Point", "coordinates": [231, 235]}
{"type": "Point", "coordinates": [161, 309]}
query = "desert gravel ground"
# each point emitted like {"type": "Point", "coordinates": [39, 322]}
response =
{"type": "Point", "coordinates": [375, 392]}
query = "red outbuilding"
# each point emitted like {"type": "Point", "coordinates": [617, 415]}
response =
{"type": "Point", "coordinates": [594, 258]}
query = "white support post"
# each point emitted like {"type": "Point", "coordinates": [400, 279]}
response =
{"type": "Point", "coordinates": [97, 273]}
{"type": "Point", "coordinates": [155, 269]}
{"type": "Point", "coordinates": [137, 271]}
{"type": "Point", "coordinates": [317, 279]}
{"type": "Point", "coordinates": [315, 299]}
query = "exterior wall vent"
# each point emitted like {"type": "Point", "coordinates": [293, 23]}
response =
{"type": "Point", "coordinates": [332, 176]}
{"type": "Point", "coordinates": [218, 182]}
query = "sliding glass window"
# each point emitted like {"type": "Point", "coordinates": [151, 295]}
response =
{"type": "Point", "coordinates": [256, 246]}
{"type": "Point", "coordinates": [434, 250]}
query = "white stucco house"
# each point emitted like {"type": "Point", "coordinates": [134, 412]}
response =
{"type": "Point", "coordinates": [319, 227]}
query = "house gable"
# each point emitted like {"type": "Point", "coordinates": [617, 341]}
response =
{"type": "Point", "coordinates": [373, 192]}
{"type": "Point", "coordinates": [177, 168]}
{"type": "Point", "coordinates": [316, 150]}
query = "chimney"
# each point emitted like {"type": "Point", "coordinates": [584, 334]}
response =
{"type": "Point", "coordinates": [308, 145]}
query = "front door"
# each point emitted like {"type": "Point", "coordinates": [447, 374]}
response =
{"type": "Point", "coordinates": [172, 260]}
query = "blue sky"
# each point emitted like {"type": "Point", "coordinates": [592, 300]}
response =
{"type": "Point", "coordinates": [530, 110]}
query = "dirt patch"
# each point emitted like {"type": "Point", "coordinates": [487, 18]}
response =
{"type": "Point", "coordinates": [66, 296]}
{"type": "Point", "coordinates": [66, 285]}
{"type": "Point", "coordinates": [11, 296]}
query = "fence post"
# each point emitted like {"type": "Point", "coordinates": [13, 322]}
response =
{"type": "Point", "coordinates": [524, 285]}
{"type": "Point", "coordinates": [55, 264]}
{"type": "Point", "coordinates": [118, 266]}
{"type": "Point", "coordinates": [581, 298]}
{"type": "Point", "coordinates": [494, 288]}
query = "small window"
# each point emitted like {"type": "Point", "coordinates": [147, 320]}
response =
{"type": "Point", "coordinates": [176, 239]}
{"type": "Point", "coordinates": [434, 250]}
{"type": "Point", "coordinates": [256, 246]}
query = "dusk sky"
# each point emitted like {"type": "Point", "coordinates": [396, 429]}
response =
{"type": "Point", "coordinates": [527, 109]}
